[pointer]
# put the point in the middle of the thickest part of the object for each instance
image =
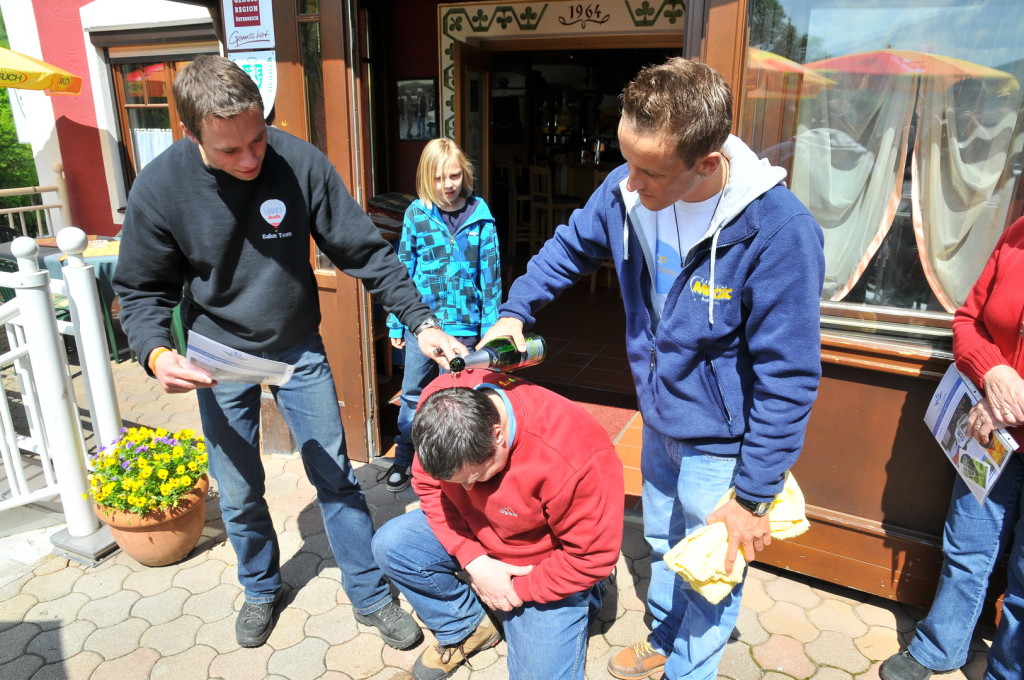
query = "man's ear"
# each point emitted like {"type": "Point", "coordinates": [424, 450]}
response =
{"type": "Point", "coordinates": [708, 165]}
{"type": "Point", "coordinates": [188, 133]}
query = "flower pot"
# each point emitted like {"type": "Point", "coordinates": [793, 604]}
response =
{"type": "Point", "coordinates": [160, 537]}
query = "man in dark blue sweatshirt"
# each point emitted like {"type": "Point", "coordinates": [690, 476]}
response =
{"type": "Point", "coordinates": [721, 270]}
{"type": "Point", "coordinates": [226, 216]}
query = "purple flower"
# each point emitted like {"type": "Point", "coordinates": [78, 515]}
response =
{"type": "Point", "coordinates": [125, 464]}
{"type": "Point", "coordinates": [142, 448]}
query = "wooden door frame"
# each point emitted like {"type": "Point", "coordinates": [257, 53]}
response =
{"type": "Point", "coordinates": [344, 303]}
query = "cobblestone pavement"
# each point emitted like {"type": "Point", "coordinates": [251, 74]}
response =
{"type": "Point", "coordinates": [123, 621]}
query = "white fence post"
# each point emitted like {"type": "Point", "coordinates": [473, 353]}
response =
{"type": "Point", "coordinates": [90, 335]}
{"type": "Point", "coordinates": [62, 196]}
{"type": "Point", "coordinates": [53, 385]}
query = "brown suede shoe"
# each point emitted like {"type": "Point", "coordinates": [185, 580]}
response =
{"type": "Point", "coordinates": [440, 661]}
{"type": "Point", "coordinates": [639, 661]}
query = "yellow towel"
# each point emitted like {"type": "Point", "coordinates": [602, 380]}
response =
{"type": "Point", "coordinates": [700, 557]}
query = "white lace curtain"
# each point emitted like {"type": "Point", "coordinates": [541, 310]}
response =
{"type": "Point", "coordinates": [149, 143]}
{"type": "Point", "coordinates": [849, 160]}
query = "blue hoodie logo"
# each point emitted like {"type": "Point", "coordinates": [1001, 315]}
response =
{"type": "Point", "coordinates": [700, 290]}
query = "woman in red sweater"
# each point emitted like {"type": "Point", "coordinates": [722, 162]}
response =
{"type": "Point", "coordinates": [988, 345]}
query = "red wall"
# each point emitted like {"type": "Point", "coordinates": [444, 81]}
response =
{"type": "Point", "coordinates": [63, 44]}
{"type": "Point", "coordinates": [411, 41]}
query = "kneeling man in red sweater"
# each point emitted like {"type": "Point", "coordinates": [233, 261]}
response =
{"type": "Point", "coordinates": [521, 514]}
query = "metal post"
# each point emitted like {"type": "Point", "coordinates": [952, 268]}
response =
{"type": "Point", "coordinates": [50, 370]}
{"type": "Point", "coordinates": [90, 334]}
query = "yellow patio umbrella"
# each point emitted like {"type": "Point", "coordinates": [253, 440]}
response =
{"type": "Point", "coordinates": [770, 75]}
{"type": "Point", "coordinates": [22, 71]}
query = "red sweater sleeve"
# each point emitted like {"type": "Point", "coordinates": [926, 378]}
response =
{"type": "Point", "coordinates": [977, 344]}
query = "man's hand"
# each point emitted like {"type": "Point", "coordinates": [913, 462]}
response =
{"type": "Point", "coordinates": [1004, 392]}
{"type": "Point", "coordinates": [440, 346]}
{"type": "Point", "coordinates": [745, 529]}
{"type": "Point", "coordinates": [175, 375]}
{"type": "Point", "coordinates": [398, 343]}
{"type": "Point", "coordinates": [492, 582]}
{"type": "Point", "coordinates": [506, 326]}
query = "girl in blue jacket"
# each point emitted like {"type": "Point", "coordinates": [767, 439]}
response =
{"type": "Point", "coordinates": [450, 246]}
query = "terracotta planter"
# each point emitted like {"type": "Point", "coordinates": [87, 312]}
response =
{"type": "Point", "coordinates": [159, 538]}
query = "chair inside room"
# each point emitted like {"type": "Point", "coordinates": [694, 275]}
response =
{"type": "Point", "coordinates": [548, 209]}
{"type": "Point", "coordinates": [521, 226]}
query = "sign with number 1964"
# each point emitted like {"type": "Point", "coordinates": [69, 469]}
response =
{"type": "Point", "coordinates": [583, 14]}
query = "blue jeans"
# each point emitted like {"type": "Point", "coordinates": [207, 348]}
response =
{"type": "Point", "coordinates": [973, 539]}
{"type": "Point", "coordinates": [681, 487]}
{"type": "Point", "coordinates": [418, 372]}
{"type": "Point", "coordinates": [230, 414]}
{"type": "Point", "coordinates": [544, 640]}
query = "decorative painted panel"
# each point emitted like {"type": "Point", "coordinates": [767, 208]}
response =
{"type": "Point", "coordinates": [469, 22]}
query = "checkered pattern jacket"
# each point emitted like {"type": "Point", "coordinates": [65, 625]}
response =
{"type": "Point", "coordinates": [458, 275]}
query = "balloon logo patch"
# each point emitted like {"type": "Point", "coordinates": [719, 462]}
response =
{"type": "Point", "coordinates": [273, 212]}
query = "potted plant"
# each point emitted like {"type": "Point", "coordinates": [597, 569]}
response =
{"type": "Point", "coordinates": [149, 486]}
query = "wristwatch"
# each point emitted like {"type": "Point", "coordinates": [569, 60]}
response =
{"type": "Point", "coordinates": [758, 509]}
{"type": "Point", "coordinates": [430, 322]}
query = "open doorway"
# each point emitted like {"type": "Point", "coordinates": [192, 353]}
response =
{"type": "Point", "coordinates": [559, 109]}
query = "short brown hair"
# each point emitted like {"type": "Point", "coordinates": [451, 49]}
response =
{"type": "Point", "coordinates": [454, 427]}
{"type": "Point", "coordinates": [213, 86]}
{"type": "Point", "coordinates": [441, 152]}
{"type": "Point", "coordinates": [681, 99]}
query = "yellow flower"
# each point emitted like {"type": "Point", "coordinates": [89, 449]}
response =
{"type": "Point", "coordinates": [192, 465]}
{"type": "Point", "coordinates": [161, 473]}
{"type": "Point", "coordinates": [185, 481]}
{"type": "Point", "coordinates": [165, 489]}
{"type": "Point", "coordinates": [180, 470]}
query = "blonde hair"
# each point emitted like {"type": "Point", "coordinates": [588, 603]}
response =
{"type": "Point", "coordinates": [684, 100]}
{"type": "Point", "coordinates": [441, 152]}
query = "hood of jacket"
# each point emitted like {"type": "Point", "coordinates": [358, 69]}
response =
{"type": "Point", "coordinates": [749, 178]}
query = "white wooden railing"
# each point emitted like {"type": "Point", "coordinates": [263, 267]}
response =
{"type": "Point", "coordinates": [52, 443]}
{"type": "Point", "coordinates": [15, 219]}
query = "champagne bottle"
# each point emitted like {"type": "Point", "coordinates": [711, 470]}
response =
{"type": "Point", "coordinates": [501, 354]}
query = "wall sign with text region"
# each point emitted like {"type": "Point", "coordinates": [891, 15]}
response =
{"type": "Point", "coordinates": [248, 24]}
{"type": "Point", "coordinates": [262, 68]}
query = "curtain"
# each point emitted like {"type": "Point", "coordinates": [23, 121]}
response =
{"type": "Point", "coordinates": [849, 156]}
{"type": "Point", "coordinates": [969, 143]}
{"type": "Point", "coordinates": [149, 143]}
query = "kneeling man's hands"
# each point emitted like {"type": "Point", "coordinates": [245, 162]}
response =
{"type": "Point", "coordinates": [492, 582]}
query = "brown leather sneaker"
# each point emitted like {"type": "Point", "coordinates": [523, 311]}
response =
{"type": "Point", "coordinates": [639, 661]}
{"type": "Point", "coordinates": [440, 661]}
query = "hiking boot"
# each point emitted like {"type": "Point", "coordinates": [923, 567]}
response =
{"type": "Point", "coordinates": [440, 661]}
{"type": "Point", "coordinates": [254, 622]}
{"type": "Point", "coordinates": [639, 661]}
{"type": "Point", "coordinates": [394, 624]}
{"type": "Point", "coordinates": [903, 666]}
{"type": "Point", "coordinates": [397, 477]}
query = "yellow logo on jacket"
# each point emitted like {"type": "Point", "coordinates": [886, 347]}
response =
{"type": "Point", "coordinates": [700, 288]}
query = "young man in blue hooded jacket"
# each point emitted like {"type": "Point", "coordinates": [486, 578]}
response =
{"type": "Point", "coordinates": [721, 270]}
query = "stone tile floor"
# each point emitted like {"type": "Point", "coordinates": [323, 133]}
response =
{"type": "Point", "coordinates": [123, 621]}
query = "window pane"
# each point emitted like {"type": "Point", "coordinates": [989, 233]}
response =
{"type": "Point", "coordinates": [134, 85]}
{"type": "Point", "coordinates": [312, 67]}
{"type": "Point", "coordinates": [899, 125]}
{"type": "Point", "coordinates": [145, 83]}
{"type": "Point", "coordinates": [151, 133]}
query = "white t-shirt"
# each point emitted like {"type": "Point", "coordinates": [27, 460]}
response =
{"type": "Point", "coordinates": [673, 231]}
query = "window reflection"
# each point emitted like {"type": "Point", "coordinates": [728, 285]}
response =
{"type": "Point", "coordinates": [899, 125]}
{"type": "Point", "coordinates": [146, 102]}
